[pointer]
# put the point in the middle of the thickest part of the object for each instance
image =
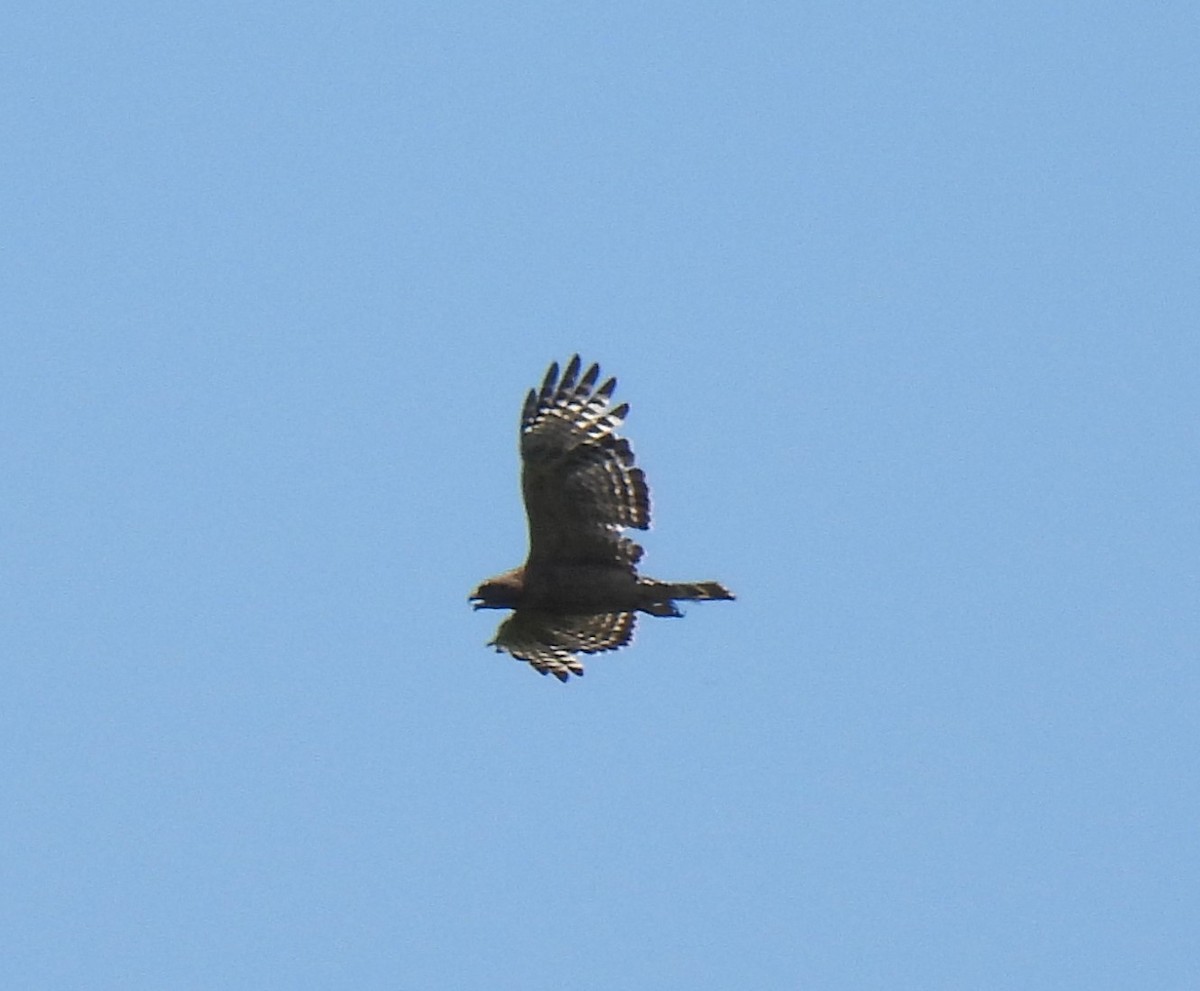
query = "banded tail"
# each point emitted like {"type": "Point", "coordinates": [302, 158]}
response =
{"type": "Point", "coordinates": [658, 597]}
{"type": "Point", "coordinates": [697, 590]}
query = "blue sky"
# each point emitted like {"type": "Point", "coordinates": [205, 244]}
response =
{"type": "Point", "coordinates": [904, 300]}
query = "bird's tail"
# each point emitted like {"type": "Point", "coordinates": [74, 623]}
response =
{"type": "Point", "coordinates": [658, 597]}
{"type": "Point", "coordinates": [698, 590]}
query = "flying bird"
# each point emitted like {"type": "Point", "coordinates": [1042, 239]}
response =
{"type": "Point", "coordinates": [579, 589]}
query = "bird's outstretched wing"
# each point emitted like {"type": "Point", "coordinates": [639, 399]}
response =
{"type": "Point", "coordinates": [550, 641]}
{"type": "Point", "coordinates": [578, 477]}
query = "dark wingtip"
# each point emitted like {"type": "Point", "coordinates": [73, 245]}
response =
{"type": "Point", "coordinates": [589, 379]}
{"type": "Point", "coordinates": [572, 370]}
{"type": "Point", "coordinates": [549, 381]}
{"type": "Point", "coordinates": [607, 389]}
{"type": "Point", "coordinates": [529, 410]}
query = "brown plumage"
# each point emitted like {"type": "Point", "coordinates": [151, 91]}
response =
{"type": "Point", "coordinates": [579, 589]}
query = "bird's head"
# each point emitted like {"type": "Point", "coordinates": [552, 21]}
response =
{"type": "Point", "coordinates": [501, 592]}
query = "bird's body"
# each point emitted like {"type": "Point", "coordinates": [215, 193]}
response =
{"type": "Point", "coordinates": [579, 588]}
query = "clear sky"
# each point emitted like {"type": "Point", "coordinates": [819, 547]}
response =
{"type": "Point", "coordinates": [904, 298]}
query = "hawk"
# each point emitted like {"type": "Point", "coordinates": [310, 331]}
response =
{"type": "Point", "coordinates": [579, 589]}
